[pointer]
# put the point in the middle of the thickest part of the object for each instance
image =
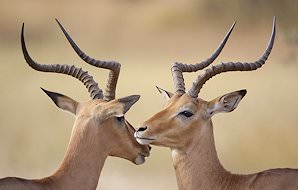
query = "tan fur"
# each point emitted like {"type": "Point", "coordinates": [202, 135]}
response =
{"type": "Point", "coordinates": [193, 149]}
{"type": "Point", "coordinates": [96, 135]}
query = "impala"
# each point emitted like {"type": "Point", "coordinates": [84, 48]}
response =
{"type": "Point", "coordinates": [185, 126]}
{"type": "Point", "coordinates": [100, 129]}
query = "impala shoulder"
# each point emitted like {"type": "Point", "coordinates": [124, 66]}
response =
{"type": "Point", "coordinates": [280, 177]}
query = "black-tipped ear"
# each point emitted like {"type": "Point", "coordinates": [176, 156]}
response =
{"type": "Point", "coordinates": [226, 103]}
{"type": "Point", "coordinates": [165, 94]}
{"type": "Point", "coordinates": [242, 92]}
{"type": "Point", "coordinates": [128, 101]}
{"type": "Point", "coordinates": [62, 101]}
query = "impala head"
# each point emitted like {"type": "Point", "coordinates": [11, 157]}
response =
{"type": "Point", "coordinates": [185, 114]}
{"type": "Point", "coordinates": [101, 121]}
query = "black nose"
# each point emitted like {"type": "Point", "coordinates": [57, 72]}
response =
{"type": "Point", "coordinates": [150, 147]}
{"type": "Point", "coordinates": [141, 129]}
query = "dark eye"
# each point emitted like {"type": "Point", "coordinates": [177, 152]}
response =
{"type": "Point", "coordinates": [120, 119]}
{"type": "Point", "coordinates": [186, 113]}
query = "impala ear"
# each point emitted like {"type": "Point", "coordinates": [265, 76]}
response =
{"type": "Point", "coordinates": [128, 101]}
{"type": "Point", "coordinates": [63, 102]}
{"type": "Point", "coordinates": [165, 94]}
{"type": "Point", "coordinates": [225, 103]}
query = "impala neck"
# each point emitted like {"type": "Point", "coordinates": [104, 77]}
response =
{"type": "Point", "coordinates": [82, 163]}
{"type": "Point", "coordinates": [197, 165]}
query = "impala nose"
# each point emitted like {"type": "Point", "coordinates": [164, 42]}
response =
{"type": "Point", "coordinates": [141, 129]}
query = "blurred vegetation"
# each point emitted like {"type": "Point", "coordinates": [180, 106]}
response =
{"type": "Point", "coordinates": [146, 36]}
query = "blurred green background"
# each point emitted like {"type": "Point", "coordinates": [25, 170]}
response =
{"type": "Point", "coordinates": [146, 37]}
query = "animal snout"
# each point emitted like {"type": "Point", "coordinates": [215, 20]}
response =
{"type": "Point", "coordinates": [141, 129]}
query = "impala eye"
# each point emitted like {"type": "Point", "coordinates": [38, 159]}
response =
{"type": "Point", "coordinates": [120, 119]}
{"type": "Point", "coordinates": [186, 113]}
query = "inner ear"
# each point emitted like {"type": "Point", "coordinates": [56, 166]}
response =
{"type": "Point", "coordinates": [62, 101]}
{"type": "Point", "coordinates": [128, 101]}
{"type": "Point", "coordinates": [165, 94]}
{"type": "Point", "coordinates": [225, 103]}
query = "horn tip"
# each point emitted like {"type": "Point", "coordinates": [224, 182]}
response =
{"type": "Point", "coordinates": [58, 22]}
{"type": "Point", "coordinates": [274, 23]}
{"type": "Point", "coordinates": [232, 27]}
{"type": "Point", "coordinates": [273, 28]}
{"type": "Point", "coordinates": [229, 33]}
{"type": "Point", "coordinates": [23, 26]}
{"type": "Point", "coordinates": [234, 23]}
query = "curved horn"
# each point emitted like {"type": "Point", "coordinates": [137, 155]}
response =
{"type": "Point", "coordinates": [78, 73]}
{"type": "Point", "coordinates": [232, 66]}
{"type": "Point", "coordinates": [178, 68]}
{"type": "Point", "coordinates": [114, 67]}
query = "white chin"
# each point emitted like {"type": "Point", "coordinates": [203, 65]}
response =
{"type": "Point", "coordinates": [143, 141]}
{"type": "Point", "coordinates": [139, 160]}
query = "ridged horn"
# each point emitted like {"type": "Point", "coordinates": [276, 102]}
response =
{"type": "Point", "coordinates": [178, 68]}
{"type": "Point", "coordinates": [113, 66]}
{"type": "Point", "coordinates": [78, 73]}
{"type": "Point", "coordinates": [232, 66]}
